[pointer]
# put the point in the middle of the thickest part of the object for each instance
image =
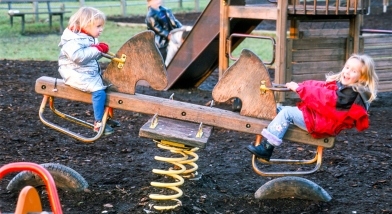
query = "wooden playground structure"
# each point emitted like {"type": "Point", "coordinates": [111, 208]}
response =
{"type": "Point", "coordinates": [299, 55]}
{"type": "Point", "coordinates": [310, 54]}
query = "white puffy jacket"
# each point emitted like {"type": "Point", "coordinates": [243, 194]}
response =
{"type": "Point", "coordinates": [78, 61]}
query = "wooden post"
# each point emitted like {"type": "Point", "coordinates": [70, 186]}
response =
{"type": "Point", "coordinates": [197, 5]}
{"type": "Point", "coordinates": [354, 31]}
{"type": "Point", "coordinates": [123, 5]}
{"type": "Point", "coordinates": [281, 34]}
{"type": "Point", "coordinates": [289, 59]}
{"type": "Point", "coordinates": [224, 31]}
{"type": "Point", "coordinates": [385, 3]}
{"type": "Point", "coordinates": [294, 32]}
{"type": "Point", "coordinates": [35, 9]}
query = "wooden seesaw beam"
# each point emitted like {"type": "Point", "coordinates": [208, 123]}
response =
{"type": "Point", "coordinates": [144, 62]}
{"type": "Point", "coordinates": [175, 109]}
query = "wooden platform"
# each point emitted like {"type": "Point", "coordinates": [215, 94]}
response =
{"type": "Point", "coordinates": [177, 131]}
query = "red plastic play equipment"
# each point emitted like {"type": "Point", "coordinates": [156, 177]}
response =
{"type": "Point", "coordinates": [46, 177]}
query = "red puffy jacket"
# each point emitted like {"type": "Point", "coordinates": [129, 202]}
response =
{"type": "Point", "coordinates": [330, 107]}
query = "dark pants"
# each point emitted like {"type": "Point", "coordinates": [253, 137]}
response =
{"type": "Point", "coordinates": [163, 52]}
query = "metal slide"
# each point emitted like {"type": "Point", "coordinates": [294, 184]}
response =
{"type": "Point", "coordinates": [197, 57]}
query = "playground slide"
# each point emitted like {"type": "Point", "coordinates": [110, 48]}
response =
{"type": "Point", "coordinates": [198, 56]}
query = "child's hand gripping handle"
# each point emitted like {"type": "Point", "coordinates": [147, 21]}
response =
{"type": "Point", "coordinates": [113, 57]}
{"type": "Point", "coordinates": [104, 49]}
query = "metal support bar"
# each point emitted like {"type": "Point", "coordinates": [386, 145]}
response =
{"type": "Point", "coordinates": [72, 119]}
{"type": "Point", "coordinates": [318, 158]}
{"type": "Point", "coordinates": [254, 37]}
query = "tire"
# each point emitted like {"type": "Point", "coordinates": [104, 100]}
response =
{"type": "Point", "coordinates": [65, 178]}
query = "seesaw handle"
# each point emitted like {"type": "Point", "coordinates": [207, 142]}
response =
{"type": "Point", "coordinates": [113, 57]}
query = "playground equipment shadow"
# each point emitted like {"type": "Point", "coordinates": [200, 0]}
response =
{"type": "Point", "coordinates": [356, 172]}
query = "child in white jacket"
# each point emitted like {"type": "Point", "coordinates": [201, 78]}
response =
{"type": "Point", "coordinates": [78, 60]}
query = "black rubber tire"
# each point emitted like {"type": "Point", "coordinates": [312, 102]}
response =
{"type": "Point", "coordinates": [237, 105]}
{"type": "Point", "coordinates": [65, 178]}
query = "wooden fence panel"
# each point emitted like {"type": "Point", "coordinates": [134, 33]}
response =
{"type": "Point", "coordinates": [379, 47]}
{"type": "Point", "coordinates": [310, 67]}
{"type": "Point", "coordinates": [318, 55]}
{"type": "Point", "coordinates": [319, 42]}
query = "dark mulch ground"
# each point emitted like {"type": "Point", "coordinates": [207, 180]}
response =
{"type": "Point", "coordinates": [356, 172]}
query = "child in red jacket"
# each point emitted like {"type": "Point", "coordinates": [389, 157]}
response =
{"type": "Point", "coordinates": [327, 107]}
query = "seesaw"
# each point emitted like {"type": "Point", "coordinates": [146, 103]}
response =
{"type": "Point", "coordinates": [189, 125]}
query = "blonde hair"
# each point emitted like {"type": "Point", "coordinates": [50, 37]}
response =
{"type": "Point", "coordinates": [84, 17]}
{"type": "Point", "coordinates": [368, 79]}
{"type": "Point", "coordinates": [148, 4]}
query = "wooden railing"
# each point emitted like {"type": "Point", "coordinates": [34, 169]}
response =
{"type": "Point", "coordinates": [328, 7]}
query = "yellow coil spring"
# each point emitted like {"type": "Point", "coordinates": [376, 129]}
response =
{"type": "Point", "coordinates": [175, 173]}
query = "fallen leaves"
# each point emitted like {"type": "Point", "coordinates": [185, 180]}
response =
{"type": "Point", "coordinates": [108, 205]}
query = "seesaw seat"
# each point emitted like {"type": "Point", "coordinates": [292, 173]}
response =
{"type": "Point", "coordinates": [249, 80]}
{"type": "Point", "coordinates": [139, 60]}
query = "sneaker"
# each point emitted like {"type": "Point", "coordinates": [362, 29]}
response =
{"type": "Point", "coordinates": [263, 151]}
{"type": "Point", "coordinates": [98, 124]}
{"type": "Point", "coordinates": [113, 123]}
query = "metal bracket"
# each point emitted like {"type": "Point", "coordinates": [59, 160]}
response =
{"type": "Point", "coordinates": [113, 57]}
{"type": "Point", "coordinates": [72, 119]}
{"type": "Point", "coordinates": [263, 88]}
{"type": "Point", "coordinates": [121, 61]}
{"type": "Point", "coordinates": [154, 121]}
{"type": "Point", "coordinates": [200, 131]}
